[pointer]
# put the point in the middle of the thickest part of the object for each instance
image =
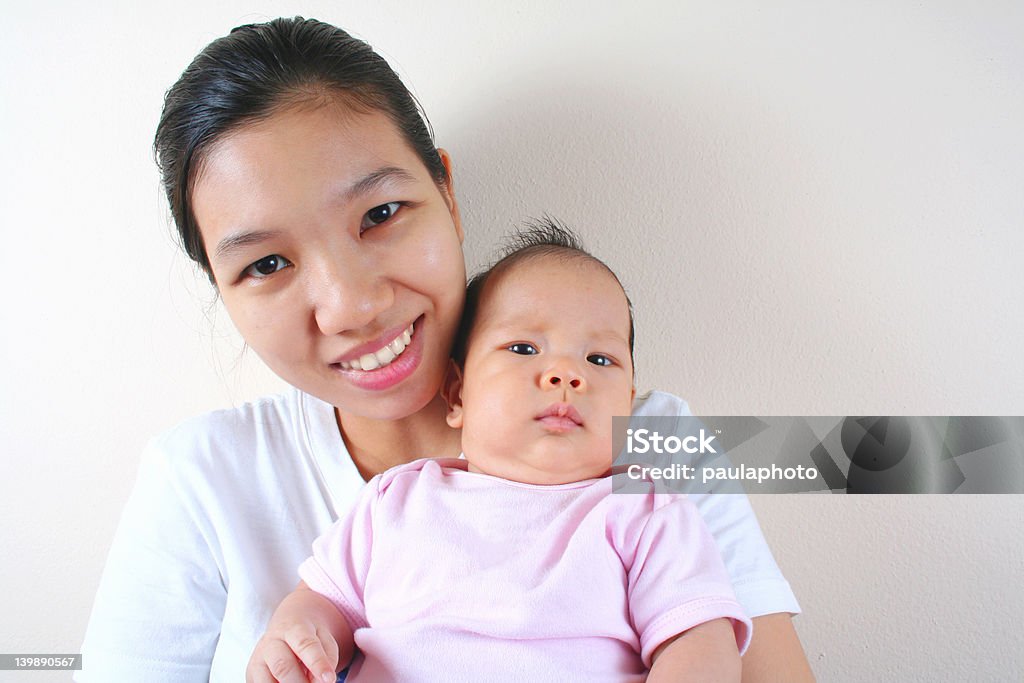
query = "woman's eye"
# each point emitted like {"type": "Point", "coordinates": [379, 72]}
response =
{"type": "Point", "coordinates": [379, 214]}
{"type": "Point", "coordinates": [523, 349]}
{"type": "Point", "coordinates": [600, 359]}
{"type": "Point", "coordinates": [268, 265]}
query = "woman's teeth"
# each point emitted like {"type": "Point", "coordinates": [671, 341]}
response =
{"type": "Point", "coordinates": [383, 356]}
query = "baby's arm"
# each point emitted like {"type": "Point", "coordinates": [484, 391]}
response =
{"type": "Point", "coordinates": [703, 653]}
{"type": "Point", "coordinates": [306, 633]}
{"type": "Point", "coordinates": [680, 598]}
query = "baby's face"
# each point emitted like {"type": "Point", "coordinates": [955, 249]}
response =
{"type": "Point", "coordinates": [548, 366]}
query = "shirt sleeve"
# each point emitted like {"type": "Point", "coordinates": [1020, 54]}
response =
{"type": "Point", "coordinates": [759, 584]}
{"type": "Point", "coordinates": [340, 562]}
{"type": "Point", "coordinates": [676, 578]}
{"type": "Point", "coordinates": [158, 611]}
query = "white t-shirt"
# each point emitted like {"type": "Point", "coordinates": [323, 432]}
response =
{"type": "Point", "coordinates": [227, 506]}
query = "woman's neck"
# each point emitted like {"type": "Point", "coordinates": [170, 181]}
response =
{"type": "Point", "coordinates": [375, 445]}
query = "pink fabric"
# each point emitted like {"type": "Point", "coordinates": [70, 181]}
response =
{"type": "Point", "coordinates": [450, 575]}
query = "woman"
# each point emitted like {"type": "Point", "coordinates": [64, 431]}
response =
{"type": "Point", "coordinates": [305, 183]}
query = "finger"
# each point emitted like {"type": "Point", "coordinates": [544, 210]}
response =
{"type": "Point", "coordinates": [330, 649]}
{"type": "Point", "coordinates": [283, 664]}
{"type": "Point", "coordinates": [257, 672]}
{"type": "Point", "coordinates": [305, 643]}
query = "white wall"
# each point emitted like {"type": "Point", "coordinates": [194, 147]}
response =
{"type": "Point", "coordinates": [816, 207]}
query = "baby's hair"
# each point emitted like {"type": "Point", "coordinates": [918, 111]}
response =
{"type": "Point", "coordinates": [541, 237]}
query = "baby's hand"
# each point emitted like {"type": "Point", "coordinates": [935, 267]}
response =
{"type": "Point", "coordinates": [298, 654]}
{"type": "Point", "coordinates": [305, 641]}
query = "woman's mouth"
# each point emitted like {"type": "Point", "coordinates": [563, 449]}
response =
{"type": "Point", "coordinates": [383, 356]}
{"type": "Point", "coordinates": [388, 366]}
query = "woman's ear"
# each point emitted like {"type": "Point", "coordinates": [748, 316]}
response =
{"type": "Point", "coordinates": [449, 193]}
{"type": "Point", "coordinates": [451, 391]}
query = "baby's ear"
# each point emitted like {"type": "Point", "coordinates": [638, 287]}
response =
{"type": "Point", "coordinates": [451, 391]}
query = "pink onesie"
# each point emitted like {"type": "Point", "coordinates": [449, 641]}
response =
{"type": "Point", "coordinates": [445, 574]}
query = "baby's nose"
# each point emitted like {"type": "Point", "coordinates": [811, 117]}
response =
{"type": "Point", "coordinates": [558, 377]}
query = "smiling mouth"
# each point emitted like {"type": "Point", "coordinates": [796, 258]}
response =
{"type": "Point", "coordinates": [383, 356]}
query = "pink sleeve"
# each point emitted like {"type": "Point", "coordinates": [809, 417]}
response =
{"type": "Point", "coordinates": [677, 579]}
{"type": "Point", "coordinates": [341, 558]}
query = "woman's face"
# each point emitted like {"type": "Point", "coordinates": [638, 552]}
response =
{"type": "Point", "coordinates": [336, 255]}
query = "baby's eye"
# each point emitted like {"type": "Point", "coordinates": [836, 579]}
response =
{"type": "Point", "coordinates": [600, 359]}
{"type": "Point", "coordinates": [268, 265]}
{"type": "Point", "coordinates": [379, 214]}
{"type": "Point", "coordinates": [523, 349]}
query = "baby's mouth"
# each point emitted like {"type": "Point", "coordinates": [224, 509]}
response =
{"type": "Point", "coordinates": [561, 417]}
{"type": "Point", "coordinates": [382, 356]}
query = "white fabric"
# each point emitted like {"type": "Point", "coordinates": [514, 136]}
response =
{"type": "Point", "coordinates": [227, 506]}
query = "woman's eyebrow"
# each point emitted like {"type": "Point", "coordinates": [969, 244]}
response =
{"type": "Point", "coordinates": [374, 180]}
{"type": "Point", "coordinates": [240, 240]}
{"type": "Point", "coordinates": [365, 185]}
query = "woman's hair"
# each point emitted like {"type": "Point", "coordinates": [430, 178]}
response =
{"type": "Point", "coordinates": [258, 69]}
{"type": "Point", "coordinates": [538, 238]}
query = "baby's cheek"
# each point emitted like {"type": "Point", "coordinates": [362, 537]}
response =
{"type": "Point", "coordinates": [614, 442]}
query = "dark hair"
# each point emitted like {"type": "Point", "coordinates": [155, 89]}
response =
{"type": "Point", "coordinates": [544, 237]}
{"type": "Point", "coordinates": [255, 71]}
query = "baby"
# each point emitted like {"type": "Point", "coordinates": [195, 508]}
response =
{"type": "Point", "coordinates": [518, 562]}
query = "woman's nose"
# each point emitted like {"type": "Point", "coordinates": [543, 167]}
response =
{"type": "Point", "coordinates": [563, 375]}
{"type": "Point", "coordinates": [348, 296]}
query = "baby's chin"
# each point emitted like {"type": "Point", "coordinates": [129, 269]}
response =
{"type": "Point", "coordinates": [524, 473]}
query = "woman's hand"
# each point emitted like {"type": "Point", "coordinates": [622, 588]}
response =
{"type": "Point", "coordinates": [307, 639]}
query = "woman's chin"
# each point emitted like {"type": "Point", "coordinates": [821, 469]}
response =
{"type": "Point", "coordinates": [400, 401]}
